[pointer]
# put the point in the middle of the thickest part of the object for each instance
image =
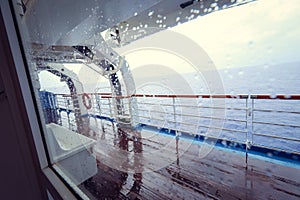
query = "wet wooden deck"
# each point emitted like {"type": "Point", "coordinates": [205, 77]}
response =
{"type": "Point", "coordinates": [221, 174]}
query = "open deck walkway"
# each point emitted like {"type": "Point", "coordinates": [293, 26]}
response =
{"type": "Point", "coordinates": [221, 174]}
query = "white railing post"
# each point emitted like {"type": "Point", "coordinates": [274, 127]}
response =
{"type": "Point", "coordinates": [130, 108]}
{"type": "Point", "coordinates": [252, 119]}
{"type": "Point", "coordinates": [100, 111]}
{"type": "Point", "coordinates": [111, 113]}
{"type": "Point", "coordinates": [175, 118]}
{"type": "Point", "coordinates": [248, 128]}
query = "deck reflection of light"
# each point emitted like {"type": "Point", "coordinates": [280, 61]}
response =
{"type": "Point", "coordinates": [221, 174]}
{"type": "Point", "coordinates": [241, 152]}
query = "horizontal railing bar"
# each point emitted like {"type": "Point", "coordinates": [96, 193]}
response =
{"type": "Point", "coordinates": [105, 115]}
{"type": "Point", "coordinates": [277, 149]}
{"type": "Point", "coordinates": [161, 104]}
{"type": "Point", "coordinates": [156, 111]}
{"type": "Point", "coordinates": [70, 95]}
{"type": "Point", "coordinates": [153, 118]}
{"type": "Point", "coordinates": [240, 96]}
{"type": "Point", "coordinates": [191, 106]}
{"type": "Point", "coordinates": [67, 108]}
{"type": "Point", "coordinates": [277, 96]}
{"type": "Point", "coordinates": [104, 109]}
{"type": "Point", "coordinates": [104, 112]}
{"type": "Point", "coordinates": [98, 99]}
{"type": "Point", "coordinates": [226, 96]}
{"type": "Point", "coordinates": [197, 116]}
{"type": "Point", "coordinates": [276, 124]}
{"type": "Point", "coordinates": [101, 93]}
{"type": "Point", "coordinates": [101, 104]}
{"type": "Point", "coordinates": [186, 123]}
{"type": "Point", "coordinates": [278, 111]}
{"type": "Point", "coordinates": [213, 107]}
{"type": "Point", "coordinates": [277, 137]}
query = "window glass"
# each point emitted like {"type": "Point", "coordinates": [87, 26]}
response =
{"type": "Point", "coordinates": [168, 99]}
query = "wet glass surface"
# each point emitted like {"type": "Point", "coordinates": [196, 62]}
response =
{"type": "Point", "coordinates": [168, 99]}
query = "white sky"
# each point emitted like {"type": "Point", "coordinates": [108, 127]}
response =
{"type": "Point", "coordinates": [258, 33]}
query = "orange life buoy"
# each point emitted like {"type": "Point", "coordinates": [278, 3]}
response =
{"type": "Point", "coordinates": [84, 97]}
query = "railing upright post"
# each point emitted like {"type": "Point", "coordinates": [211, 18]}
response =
{"type": "Point", "coordinates": [131, 110]}
{"type": "Point", "coordinates": [247, 112]}
{"type": "Point", "coordinates": [60, 120]}
{"type": "Point", "coordinates": [252, 119]}
{"type": "Point", "coordinates": [248, 128]}
{"type": "Point", "coordinates": [100, 111]}
{"type": "Point", "coordinates": [69, 122]}
{"type": "Point", "coordinates": [67, 103]}
{"type": "Point", "coordinates": [99, 104]}
{"type": "Point", "coordinates": [175, 118]}
{"type": "Point", "coordinates": [111, 114]}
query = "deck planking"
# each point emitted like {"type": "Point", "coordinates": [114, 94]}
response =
{"type": "Point", "coordinates": [221, 174]}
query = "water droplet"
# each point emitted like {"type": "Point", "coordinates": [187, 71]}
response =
{"type": "Point", "coordinates": [287, 96]}
{"type": "Point", "coordinates": [269, 154]}
{"type": "Point", "coordinates": [250, 44]}
{"type": "Point", "coordinates": [150, 13]}
{"type": "Point", "coordinates": [224, 143]}
{"type": "Point", "coordinates": [214, 4]}
{"type": "Point", "coordinates": [191, 17]}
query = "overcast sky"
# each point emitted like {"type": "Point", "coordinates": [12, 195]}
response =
{"type": "Point", "coordinates": [258, 33]}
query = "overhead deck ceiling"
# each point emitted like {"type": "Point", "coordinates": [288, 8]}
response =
{"type": "Point", "coordinates": [72, 22]}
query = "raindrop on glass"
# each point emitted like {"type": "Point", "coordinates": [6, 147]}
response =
{"type": "Point", "coordinates": [150, 13]}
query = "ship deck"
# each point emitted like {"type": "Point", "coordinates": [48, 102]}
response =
{"type": "Point", "coordinates": [214, 173]}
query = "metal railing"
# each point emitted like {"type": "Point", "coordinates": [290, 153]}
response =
{"type": "Point", "coordinates": [262, 120]}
